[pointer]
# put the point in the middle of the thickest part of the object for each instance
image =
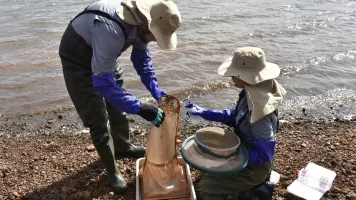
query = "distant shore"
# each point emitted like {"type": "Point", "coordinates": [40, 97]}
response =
{"type": "Point", "coordinates": [48, 155]}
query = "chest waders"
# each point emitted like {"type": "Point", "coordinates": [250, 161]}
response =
{"type": "Point", "coordinates": [109, 128]}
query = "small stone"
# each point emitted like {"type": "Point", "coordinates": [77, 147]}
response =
{"type": "Point", "coordinates": [90, 148]}
{"type": "Point", "coordinates": [16, 194]}
{"type": "Point", "coordinates": [136, 132]}
{"type": "Point", "coordinates": [337, 190]}
{"type": "Point", "coordinates": [111, 194]}
{"type": "Point", "coordinates": [179, 140]}
{"type": "Point", "coordinates": [333, 162]}
{"type": "Point", "coordinates": [304, 145]}
{"type": "Point", "coordinates": [351, 196]}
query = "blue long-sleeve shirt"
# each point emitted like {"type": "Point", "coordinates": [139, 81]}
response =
{"type": "Point", "coordinates": [107, 40]}
{"type": "Point", "coordinates": [260, 134]}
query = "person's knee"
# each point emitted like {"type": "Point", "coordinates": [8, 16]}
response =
{"type": "Point", "coordinates": [100, 136]}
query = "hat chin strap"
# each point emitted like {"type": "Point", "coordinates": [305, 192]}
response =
{"type": "Point", "coordinates": [136, 14]}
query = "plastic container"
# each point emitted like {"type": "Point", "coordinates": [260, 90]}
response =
{"type": "Point", "coordinates": [318, 182]}
{"type": "Point", "coordinates": [181, 161]}
{"type": "Point", "coordinates": [274, 177]}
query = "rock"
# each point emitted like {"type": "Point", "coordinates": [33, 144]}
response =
{"type": "Point", "coordinates": [304, 145]}
{"type": "Point", "coordinates": [136, 132]}
{"type": "Point", "coordinates": [111, 194]}
{"type": "Point", "coordinates": [16, 194]}
{"type": "Point", "coordinates": [351, 196]}
{"type": "Point", "coordinates": [337, 190]}
{"type": "Point", "coordinates": [90, 148]}
{"type": "Point", "coordinates": [282, 121]}
{"type": "Point", "coordinates": [11, 196]}
{"type": "Point", "coordinates": [333, 162]}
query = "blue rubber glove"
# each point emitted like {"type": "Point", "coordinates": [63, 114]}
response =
{"type": "Point", "coordinates": [223, 116]}
{"type": "Point", "coordinates": [142, 63]}
{"type": "Point", "coordinates": [107, 87]}
{"type": "Point", "coordinates": [192, 108]}
{"type": "Point", "coordinates": [157, 93]}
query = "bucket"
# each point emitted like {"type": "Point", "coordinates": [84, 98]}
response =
{"type": "Point", "coordinates": [181, 162]}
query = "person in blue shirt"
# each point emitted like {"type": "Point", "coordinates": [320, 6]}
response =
{"type": "Point", "coordinates": [254, 119]}
{"type": "Point", "coordinates": [89, 52]}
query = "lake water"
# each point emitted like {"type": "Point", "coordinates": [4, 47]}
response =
{"type": "Point", "coordinates": [314, 42]}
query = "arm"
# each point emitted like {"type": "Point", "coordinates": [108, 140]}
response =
{"type": "Point", "coordinates": [107, 43]}
{"type": "Point", "coordinates": [143, 65]}
{"type": "Point", "coordinates": [226, 116]}
{"type": "Point", "coordinates": [264, 144]}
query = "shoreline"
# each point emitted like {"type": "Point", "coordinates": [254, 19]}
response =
{"type": "Point", "coordinates": [48, 155]}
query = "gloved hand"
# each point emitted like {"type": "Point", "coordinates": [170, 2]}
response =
{"type": "Point", "coordinates": [152, 114]}
{"type": "Point", "coordinates": [157, 93]}
{"type": "Point", "coordinates": [192, 108]}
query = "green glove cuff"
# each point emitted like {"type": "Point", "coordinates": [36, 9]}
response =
{"type": "Point", "coordinates": [158, 117]}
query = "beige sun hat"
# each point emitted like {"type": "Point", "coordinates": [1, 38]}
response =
{"type": "Point", "coordinates": [162, 16]}
{"type": "Point", "coordinates": [249, 64]}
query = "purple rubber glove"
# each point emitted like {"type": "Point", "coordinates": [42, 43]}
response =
{"type": "Point", "coordinates": [157, 93]}
{"type": "Point", "coordinates": [223, 116]}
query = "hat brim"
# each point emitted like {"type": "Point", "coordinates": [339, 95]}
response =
{"type": "Point", "coordinates": [165, 41]}
{"type": "Point", "coordinates": [126, 15]}
{"type": "Point", "coordinates": [204, 162]}
{"type": "Point", "coordinates": [250, 76]}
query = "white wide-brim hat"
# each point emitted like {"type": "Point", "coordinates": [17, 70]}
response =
{"type": "Point", "coordinates": [162, 17]}
{"type": "Point", "coordinates": [207, 160]}
{"type": "Point", "coordinates": [249, 64]}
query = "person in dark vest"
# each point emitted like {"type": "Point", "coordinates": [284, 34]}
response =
{"type": "Point", "coordinates": [89, 52]}
{"type": "Point", "coordinates": [255, 120]}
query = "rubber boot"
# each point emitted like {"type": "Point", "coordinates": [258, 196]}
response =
{"type": "Point", "coordinates": [120, 136]}
{"type": "Point", "coordinates": [132, 152]}
{"type": "Point", "coordinates": [116, 180]}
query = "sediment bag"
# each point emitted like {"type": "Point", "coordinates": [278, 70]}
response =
{"type": "Point", "coordinates": [161, 177]}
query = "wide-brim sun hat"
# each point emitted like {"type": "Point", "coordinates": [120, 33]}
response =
{"type": "Point", "coordinates": [162, 17]}
{"type": "Point", "coordinates": [214, 150]}
{"type": "Point", "coordinates": [249, 64]}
